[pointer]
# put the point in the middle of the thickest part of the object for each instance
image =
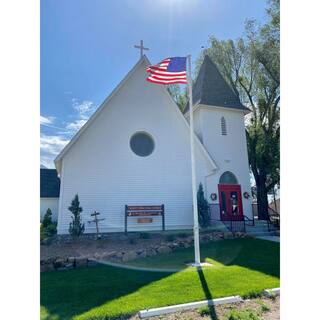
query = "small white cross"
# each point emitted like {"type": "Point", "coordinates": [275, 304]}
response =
{"type": "Point", "coordinates": [141, 47]}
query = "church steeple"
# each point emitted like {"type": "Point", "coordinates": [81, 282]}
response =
{"type": "Point", "coordinates": [211, 89]}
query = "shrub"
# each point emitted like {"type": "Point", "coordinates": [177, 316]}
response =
{"type": "Point", "coordinates": [264, 307]}
{"type": "Point", "coordinates": [207, 311]}
{"type": "Point", "coordinates": [183, 235]}
{"type": "Point", "coordinates": [252, 295]}
{"type": "Point", "coordinates": [76, 228]}
{"type": "Point", "coordinates": [243, 315]}
{"type": "Point", "coordinates": [203, 208]}
{"type": "Point", "coordinates": [48, 228]}
{"type": "Point", "coordinates": [132, 240]}
{"type": "Point", "coordinates": [145, 235]}
{"type": "Point", "coordinates": [170, 237]}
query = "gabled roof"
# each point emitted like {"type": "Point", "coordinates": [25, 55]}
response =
{"type": "Point", "coordinates": [211, 89]}
{"type": "Point", "coordinates": [104, 104]}
{"type": "Point", "coordinates": [49, 183]}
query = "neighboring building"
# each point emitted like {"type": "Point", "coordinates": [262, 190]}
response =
{"type": "Point", "coordinates": [49, 192]}
{"type": "Point", "coordinates": [135, 150]}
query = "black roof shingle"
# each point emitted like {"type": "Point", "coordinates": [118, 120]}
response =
{"type": "Point", "coordinates": [49, 183]}
{"type": "Point", "coordinates": [211, 89]}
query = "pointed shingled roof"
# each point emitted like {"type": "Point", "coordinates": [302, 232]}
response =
{"type": "Point", "coordinates": [211, 89]}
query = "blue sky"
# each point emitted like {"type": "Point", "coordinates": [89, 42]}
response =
{"type": "Point", "coordinates": [87, 48]}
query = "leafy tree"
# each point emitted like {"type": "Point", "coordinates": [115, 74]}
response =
{"type": "Point", "coordinates": [76, 228]}
{"type": "Point", "coordinates": [251, 66]}
{"type": "Point", "coordinates": [203, 208]}
{"type": "Point", "coordinates": [180, 96]}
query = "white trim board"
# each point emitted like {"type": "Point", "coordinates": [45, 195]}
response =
{"type": "Point", "coordinates": [187, 306]}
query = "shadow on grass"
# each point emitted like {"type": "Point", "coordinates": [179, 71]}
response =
{"type": "Point", "coordinates": [207, 293]}
{"type": "Point", "coordinates": [65, 294]}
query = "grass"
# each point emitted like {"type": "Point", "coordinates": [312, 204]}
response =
{"type": "Point", "coordinates": [240, 267]}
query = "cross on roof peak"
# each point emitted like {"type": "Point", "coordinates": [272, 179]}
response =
{"type": "Point", "coordinates": [141, 47]}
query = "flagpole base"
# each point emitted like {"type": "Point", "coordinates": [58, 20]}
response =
{"type": "Point", "coordinates": [199, 264]}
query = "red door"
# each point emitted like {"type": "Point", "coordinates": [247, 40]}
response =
{"type": "Point", "coordinates": [230, 202]}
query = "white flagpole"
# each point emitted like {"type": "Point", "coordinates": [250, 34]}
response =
{"type": "Point", "coordinates": [193, 169]}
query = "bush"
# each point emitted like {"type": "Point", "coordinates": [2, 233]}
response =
{"type": "Point", "coordinates": [170, 237]}
{"type": "Point", "coordinates": [207, 311]}
{"type": "Point", "coordinates": [243, 315]}
{"type": "Point", "coordinates": [145, 235]}
{"type": "Point", "coordinates": [203, 208]}
{"type": "Point", "coordinates": [183, 235]}
{"type": "Point", "coordinates": [132, 241]}
{"type": "Point", "coordinates": [76, 228]}
{"type": "Point", "coordinates": [252, 295]}
{"type": "Point", "coordinates": [48, 228]}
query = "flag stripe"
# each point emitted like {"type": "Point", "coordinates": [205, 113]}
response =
{"type": "Point", "coordinates": [151, 79]}
{"type": "Point", "coordinates": [156, 76]}
{"type": "Point", "coordinates": [168, 71]}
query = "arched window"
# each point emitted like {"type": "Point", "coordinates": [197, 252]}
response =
{"type": "Point", "coordinates": [223, 126]}
{"type": "Point", "coordinates": [228, 178]}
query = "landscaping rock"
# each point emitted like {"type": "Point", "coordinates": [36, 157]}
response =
{"type": "Point", "coordinates": [228, 235]}
{"type": "Point", "coordinates": [128, 256]}
{"type": "Point", "coordinates": [142, 254]}
{"type": "Point", "coordinates": [59, 263]}
{"type": "Point", "coordinates": [150, 252]}
{"type": "Point", "coordinates": [164, 249]}
{"type": "Point", "coordinates": [81, 262]}
{"type": "Point", "coordinates": [71, 260]}
{"type": "Point", "coordinates": [47, 267]}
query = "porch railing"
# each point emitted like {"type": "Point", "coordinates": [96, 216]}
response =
{"type": "Point", "coordinates": [233, 223]}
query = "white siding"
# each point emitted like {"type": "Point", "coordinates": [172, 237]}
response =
{"type": "Point", "coordinates": [106, 174]}
{"type": "Point", "coordinates": [229, 151]}
{"type": "Point", "coordinates": [51, 203]}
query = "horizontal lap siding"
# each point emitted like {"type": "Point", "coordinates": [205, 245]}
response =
{"type": "Point", "coordinates": [107, 175]}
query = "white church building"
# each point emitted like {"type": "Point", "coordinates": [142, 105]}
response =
{"type": "Point", "coordinates": [135, 151]}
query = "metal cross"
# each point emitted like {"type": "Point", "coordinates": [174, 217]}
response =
{"type": "Point", "coordinates": [141, 47]}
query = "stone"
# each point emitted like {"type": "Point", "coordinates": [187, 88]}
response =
{"type": "Point", "coordinates": [71, 260]}
{"type": "Point", "coordinates": [81, 262]}
{"type": "Point", "coordinates": [47, 267]}
{"type": "Point", "coordinates": [59, 263]}
{"type": "Point", "coordinates": [228, 235]}
{"type": "Point", "coordinates": [150, 252]}
{"type": "Point", "coordinates": [142, 254]}
{"type": "Point", "coordinates": [128, 256]}
{"type": "Point", "coordinates": [164, 249]}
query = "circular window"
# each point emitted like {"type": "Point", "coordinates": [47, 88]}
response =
{"type": "Point", "coordinates": [142, 144]}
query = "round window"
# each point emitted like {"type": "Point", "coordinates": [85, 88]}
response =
{"type": "Point", "coordinates": [142, 144]}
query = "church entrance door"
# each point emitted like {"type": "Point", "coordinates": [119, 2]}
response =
{"type": "Point", "coordinates": [230, 202]}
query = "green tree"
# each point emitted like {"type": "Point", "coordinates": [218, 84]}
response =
{"type": "Point", "coordinates": [76, 228]}
{"type": "Point", "coordinates": [179, 95]}
{"type": "Point", "coordinates": [251, 66]}
{"type": "Point", "coordinates": [47, 218]}
{"type": "Point", "coordinates": [48, 228]}
{"type": "Point", "coordinates": [203, 208]}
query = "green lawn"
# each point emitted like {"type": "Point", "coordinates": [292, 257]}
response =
{"type": "Point", "coordinates": [240, 266]}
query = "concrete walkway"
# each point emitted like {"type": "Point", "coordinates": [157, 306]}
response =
{"type": "Point", "coordinates": [269, 238]}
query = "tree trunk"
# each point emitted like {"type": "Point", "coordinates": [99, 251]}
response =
{"type": "Point", "coordinates": [262, 199]}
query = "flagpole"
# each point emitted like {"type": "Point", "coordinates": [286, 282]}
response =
{"type": "Point", "coordinates": [193, 170]}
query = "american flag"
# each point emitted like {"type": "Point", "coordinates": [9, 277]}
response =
{"type": "Point", "coordinates": [168, 71]}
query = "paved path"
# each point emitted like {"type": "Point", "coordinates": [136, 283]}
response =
{"type": "Point", "coordinates": [270, 238]}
